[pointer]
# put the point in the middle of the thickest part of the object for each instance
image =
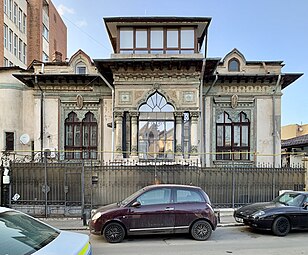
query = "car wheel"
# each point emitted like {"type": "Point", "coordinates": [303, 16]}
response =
{"type": "Point", "coordinates": [201, 230]}
{"type": "Point", "coordinates": [281, 226]}
{"type": "Point", "coordinates": [114, 232]}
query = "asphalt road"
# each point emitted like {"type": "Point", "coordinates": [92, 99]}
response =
{"type": "Point", "coordinates": [225, 240]}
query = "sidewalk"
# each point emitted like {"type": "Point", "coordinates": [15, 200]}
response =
{"type": "Point", "coordinates": [225, 219]}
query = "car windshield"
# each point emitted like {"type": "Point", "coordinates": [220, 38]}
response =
{"type": "Point", "coordinates": [290, 199]}
{"type": "Point", "coordinates": [23, 235]}
{"type": "Point", "coordinates": [131, 197]}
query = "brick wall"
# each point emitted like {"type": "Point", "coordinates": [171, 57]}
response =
{"type": "Point", "coordinates": [57, 33]}
{"type": "Point", "coordinates": [34, 27]}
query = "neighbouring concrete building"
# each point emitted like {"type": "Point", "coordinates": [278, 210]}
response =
{"type": "Point", "coordinates": [157, 98]}
{"type": "Point", "coordinates": [31, 30]}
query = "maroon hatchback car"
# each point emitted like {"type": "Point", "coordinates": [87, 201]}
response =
{"type": "Point", "coordinates": [157, 209]}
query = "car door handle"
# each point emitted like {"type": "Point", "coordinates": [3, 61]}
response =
{"type": "Point", "coordinates": [169, 209]}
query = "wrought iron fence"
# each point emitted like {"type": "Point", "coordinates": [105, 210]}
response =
{"type": "Point", "coordinates": [71, 189]}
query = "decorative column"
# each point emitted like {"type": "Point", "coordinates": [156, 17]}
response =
{"type": "Point", "coordinates": [194, 134]}
{"type": "Point", "coordinates": [178, 136]}
{"type": "Point", "coordinates": [134, 137]}
{"type": "Point", "coordinates": [118, 116]}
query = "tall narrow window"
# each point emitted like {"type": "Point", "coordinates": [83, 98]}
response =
{"type": "Point", "coordinates": [20, 19]}
{"type": "Point", "coordinates": [232, 137]}
{"type": "Point", "coordinates": [89, 133]}
{"type": "Point", "coordinates": [9, 141]}
{"type": "Point", "coordinates": [81, 137]}
{"type": "Point", "coordinates": [15, 13]}
{"type": "Point", "coordinates": [20, 47]}
{"type": "Point", "coordinates": [5, 36]}
{"type": "Point", "coordinates": [11, 41]}
{"type": "Point", "coordinates": [156, 129]}
{"type": "Point", "coordinates": [10, 9]}
{"type": "Point", "coordinates": [15, 44]}
{"type": "Point", "coordinates": [5, 6]}
{"type": "Point", "coordinates": [24, 23]}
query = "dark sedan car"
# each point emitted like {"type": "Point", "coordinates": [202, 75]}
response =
{"type": "Point", "coordinates": [286, 212]}
{"type": "Point", "coordinates": [157, 209]}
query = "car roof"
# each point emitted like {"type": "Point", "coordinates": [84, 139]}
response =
{"type": "Point", "coordinates": [5, 209]}
{"type": "Point", "coordinates": [172, 186]}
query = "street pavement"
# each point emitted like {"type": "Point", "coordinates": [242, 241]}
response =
{"type": "Point", "coordinates": [225, 219]}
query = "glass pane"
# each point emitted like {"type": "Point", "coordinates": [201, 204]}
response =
{"type": "Point", "coordinates": [237, 136]}
{"type": "Point", "coordinates": [245, 137]}
{"type": "Point", "coordinates": [93, 136]}
{"type": "Point", "coordinates": [158, 196]}
{"type": "Point", "coordinates": [220, 118]}
{"type": "Point", "coordinates": [172, 52]}
{"type": "Point", "coordinates": [233, 65]}
{"type": "Point", "coordinates": [141, 39]}
{"type": "Point", "coordinates": [86, 136]}
{"type": "Point", "coordinates": [157, 39]}
{"type": "Point", "coordinates": [220, 136]}
{"type": "Point", "coordinates": [157, 51]}
{"type": "Point", "coordinates": [172, 38]}
{"type": "Point", "coordinates": [126, 39]}
{"type": "Point", "coordinates": [227, 135]}
{"type": "Point", "coordinates": [141, 52]}
{"type": "Point", "coordinates": [77, 140]}
{"type": "Point", "coordinates": [126, 52]}
{"type": "Point", "coordinates": [187, 39]}
{"type": "Point", "coordinates": [187, 51]}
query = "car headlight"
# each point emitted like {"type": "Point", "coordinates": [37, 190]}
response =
{"type": "Point", "coordinates": [96, 216]}
{"type": "Point", "coordinates": [258, 214]}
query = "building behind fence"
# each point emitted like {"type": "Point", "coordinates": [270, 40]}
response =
{"type": "Point", "coordinates": [73, 189]}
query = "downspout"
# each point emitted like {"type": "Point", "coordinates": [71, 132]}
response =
{"type": "Point", "coordinates": [112, 106]}
{"type": "Point", "coordinates": [206, 94]}
{"type": "Point", "coordinates": [41, 116]}
{"type": "Point", "coordinates": [202, 131]}
{"type": "Point", "coordinates": [274, 121]}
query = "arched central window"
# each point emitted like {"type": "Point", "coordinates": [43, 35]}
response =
{"type": "Point", "coordinates": [156, 129]}
{"type": "Point", "coordinates": [80, 137]}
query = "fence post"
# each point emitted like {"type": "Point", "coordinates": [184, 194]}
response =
{"type": "Point", "coordinates": [305, 160]}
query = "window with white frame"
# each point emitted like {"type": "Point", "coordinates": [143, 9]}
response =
{"type": "Point", "coordinates": [45, 32]}
{"type": "Point", "coordinates": [15, 44]}
{"type": "Point", "coordinates": [20, 47]}
{"type": "Point", "coordinates": [10, 40]}
{"type": "Point", "coordinates": [45, 57]}
{"type": "Point", "coordinates": [24, 23]}
{"type": "Point", "coordinates": [10, 9]}
{"type": "Point", "coordinates": [5, 62]}
{"type": "Point", "coordinates": [20, 19]}
{"type": "Point", "coordinates": [5, 6]}
{"type": "Point", "coordinates": [24, 52]}
{"type": "Point", "coordinates": [5, 36]}
{"type": "Point", "coordinates": [15, 13]}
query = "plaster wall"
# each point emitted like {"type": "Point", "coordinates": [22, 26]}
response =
{"type": "Point", "coordinates": [264, 131]}
{"type": "Point", "coordinates": [107, 131]}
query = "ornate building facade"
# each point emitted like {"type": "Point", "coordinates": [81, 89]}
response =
{"type": "Point", "coordinates": [157, 98]}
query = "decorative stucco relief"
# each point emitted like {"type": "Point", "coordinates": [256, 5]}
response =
{"type": "Point", "coordinates": [265, 89]}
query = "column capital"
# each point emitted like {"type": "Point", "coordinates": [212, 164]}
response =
{"type": "Point", "coordinates": [178, 114]}
{"type": "Point", "coordinates": [133, 114]}
{"type": "Point", "coordinates": [118, 114]}
{"type": "Point", "coordinates": [195, 114]}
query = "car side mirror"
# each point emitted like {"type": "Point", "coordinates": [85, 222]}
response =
{"type": "Point", "coordinates": [136, 204]}
{"type": "Point", "coordinates": [305, 205]}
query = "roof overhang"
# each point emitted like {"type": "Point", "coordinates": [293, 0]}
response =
{"type": "Point", "coordinates": [31, 79]}
{"type": "Point", "coordinates": [286, 78]}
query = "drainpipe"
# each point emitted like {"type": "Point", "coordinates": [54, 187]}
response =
{"type": "Point", "coordinates": [274, 121]}
{"type": "Point", "coordinates": [112, 106]}
{"type": "Point", "coordinates": [206, 94]}
{"type": "Point", "coordinates": [201, 122]}
{"type": "Point", "coordinates": [41, 116]}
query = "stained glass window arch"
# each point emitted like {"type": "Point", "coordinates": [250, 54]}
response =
{"type": "Point", "coordinates": [156, 128]}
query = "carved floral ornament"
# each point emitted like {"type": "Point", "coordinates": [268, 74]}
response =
{"type": "Point", "coordinates": [234, 101]}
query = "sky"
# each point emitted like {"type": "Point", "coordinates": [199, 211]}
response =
{"type": "Point", "coordinates": [262, 30]}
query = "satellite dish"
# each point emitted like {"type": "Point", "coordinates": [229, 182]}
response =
{"type": "Point", "coordinates": [24, 139]}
